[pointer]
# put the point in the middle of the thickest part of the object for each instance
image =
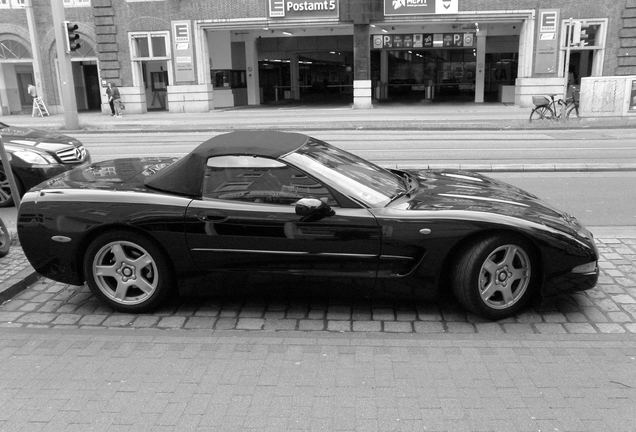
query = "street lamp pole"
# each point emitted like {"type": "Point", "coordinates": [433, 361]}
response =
{"type": "Point", "coordinates": [35, 48]}
{"type": "Point", "coordinates": [67, 86]}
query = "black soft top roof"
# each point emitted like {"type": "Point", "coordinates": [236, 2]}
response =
{"type": "Point", "coordinates": [185, 176]}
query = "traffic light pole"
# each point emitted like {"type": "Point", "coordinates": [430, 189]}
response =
{"type": "Point", "coordinates": [67, 86]}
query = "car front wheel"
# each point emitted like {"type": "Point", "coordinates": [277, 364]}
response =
{"type": "Point", "coordinates": [495, 276]}
{"type": "Point", "coordinates": [6, 198]}
{"type": "Point", "coordinates": [128, 271]}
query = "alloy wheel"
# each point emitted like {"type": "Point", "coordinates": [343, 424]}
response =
{"type": "Point", "coordinates": [504, 276]}
{"type": "Point", "coordinates": [125, 272]}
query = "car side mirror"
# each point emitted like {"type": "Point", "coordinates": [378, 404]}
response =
{"type": "Point", "coordinates": [310, 209]}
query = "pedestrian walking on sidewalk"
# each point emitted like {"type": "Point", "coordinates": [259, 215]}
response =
{"type": "Point", "coordinates": [114, 99]}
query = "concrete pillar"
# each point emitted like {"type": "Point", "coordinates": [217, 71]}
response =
{"type": "Point", "coordinates": [251, 65]}
{"type": "Point", "coordinates": [480, 73]}
{"type": "Point", "coordinates": [384, 75]}
{"type": "Point", "coordinates": [526, 48]}
{"type": "Point", "coordinates": [362, 92]}
{"type": "Point", "coordinates": [294, 75]}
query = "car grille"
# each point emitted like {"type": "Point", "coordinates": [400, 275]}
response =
{"type": "Point", "coordinates": [72, 154]}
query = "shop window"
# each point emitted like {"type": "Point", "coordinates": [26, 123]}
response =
{"type": "Point", "coordinates": [228, 78]}
{"type": "Point", "coordinates": [149, 46]}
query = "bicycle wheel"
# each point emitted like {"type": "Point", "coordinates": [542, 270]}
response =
{"type": "Point", "coordinates": [572, 112]}
{"type": "Point", "coordinates": [542, 112]}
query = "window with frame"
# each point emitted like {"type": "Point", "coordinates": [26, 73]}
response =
{"type": "Point", "coordinates": [260, 180]}
{"type": "Point", "coordinates": [149, 46]}
{"type": "Point", "coordinates": [77, 3]}
{"type": "Point", "coordinates": [586, 58]}
{"type": "Point", "coordinates": [592, 34]}
{"type": "Point", "coordinates": [12, 4]}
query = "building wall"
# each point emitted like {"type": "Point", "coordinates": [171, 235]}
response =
{"type": "Point", "coordinates": [109, 21]}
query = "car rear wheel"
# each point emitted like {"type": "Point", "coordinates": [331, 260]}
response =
{"type": "Point", "coordinates": [128, 271]}
{"type": "Point", "coordinates": [494, 277]}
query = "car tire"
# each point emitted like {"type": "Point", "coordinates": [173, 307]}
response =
{"type": "Point", "coordinates": [6, 199]}
{"type": "Point", "coordinates": [128, 271]}
{"type": "Point", "coordinates": [495, 277]}
{"type": "Point", "coordinates": [5, 239]}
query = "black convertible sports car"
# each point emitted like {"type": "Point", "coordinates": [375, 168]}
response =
{"type": "Point", "coordinates": [288, 204]}
{"type": "Point", "coordinates": [36, 155]}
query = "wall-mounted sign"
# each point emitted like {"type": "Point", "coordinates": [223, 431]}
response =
{"type": "Point", "coordinates": [424, 40]}
{"type": "Point", "coordinates": [303, 8]}
{"type": "Point", "coordinates": [183, 52]}
{"type": "Point", "coordinates": [420, 7]}
{"type": "Point", "coordinates": [545, 61]}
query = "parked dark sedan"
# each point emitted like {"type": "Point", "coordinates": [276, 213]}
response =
{"type": "Point", "coordinates": [35, 156]}
{"type": "Point", "coordinates": [288, 204]}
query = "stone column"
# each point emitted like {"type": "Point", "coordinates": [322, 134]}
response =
{"type": "Point", "coordinates": [384, 75]}
{"type": "Point", "coordinates": [480, 73]}
{"type": "Point", "coordinates": [251, 64]}
{"type": "Point", "coordinates": [294, 75]}
{"type": "Point", "coordinates": [362, 91]}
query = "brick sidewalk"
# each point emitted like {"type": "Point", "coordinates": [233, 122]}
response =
{"type": "Point", "coordinates": [609, 308]}
{"type": "Point", "coordinates": [151, 380]}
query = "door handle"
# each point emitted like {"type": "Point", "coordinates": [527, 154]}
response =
{"type": "Point", "coordinates": [212, 218]}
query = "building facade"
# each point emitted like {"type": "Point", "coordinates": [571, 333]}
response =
{"type": "Point", "coordinates": [198, 55]}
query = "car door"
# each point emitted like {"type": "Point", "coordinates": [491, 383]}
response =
{"type": "Point", "coordinates": [246, 220]}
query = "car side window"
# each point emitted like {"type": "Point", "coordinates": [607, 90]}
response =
{"type": "Point", "coordinates": [260, 180]}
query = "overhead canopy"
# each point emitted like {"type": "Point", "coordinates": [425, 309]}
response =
{"type": "Point", "coordinates": [185, 176]}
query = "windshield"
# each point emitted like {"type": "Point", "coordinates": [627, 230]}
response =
{"type": "Point", "coordinates": [347, 173]}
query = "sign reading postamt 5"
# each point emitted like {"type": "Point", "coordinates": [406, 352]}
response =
{"type": "Point", "coordinates": [420, 7]}
{"type": "Point", "coordinates": [303, 8]}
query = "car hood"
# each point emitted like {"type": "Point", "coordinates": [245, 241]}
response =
{"type": "Point", "coordinates": [28, 137]}
{"type": "Point", "coordinates": [469, 191]}
{"type": "Point", "coordinates": [115, 174]}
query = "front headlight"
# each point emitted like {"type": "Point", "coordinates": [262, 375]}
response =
{"type": "Point", "coordinates": [35, 158]}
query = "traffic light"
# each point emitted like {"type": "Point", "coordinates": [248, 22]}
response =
{"type": "Point", "coordinates": [72, 43]}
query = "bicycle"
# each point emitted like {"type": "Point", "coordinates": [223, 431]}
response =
{"type": "Point", "coordinates": [5, 239]}
{"type": "Point", "coordinates": [549, 108]}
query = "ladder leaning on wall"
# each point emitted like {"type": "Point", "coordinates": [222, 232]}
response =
{"type": "Point", "coordinates": [39, 107]}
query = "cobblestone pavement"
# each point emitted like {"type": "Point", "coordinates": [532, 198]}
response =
{"type": "Point", "coordinates": [609, 308]}
{"type": "Point", "coordinates": [68, 363]}
{"type": "Point", "coordinates": [153, 380]}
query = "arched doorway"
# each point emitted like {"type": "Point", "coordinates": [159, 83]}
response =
{"type": "Point", "coordinates": [16, 73]}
